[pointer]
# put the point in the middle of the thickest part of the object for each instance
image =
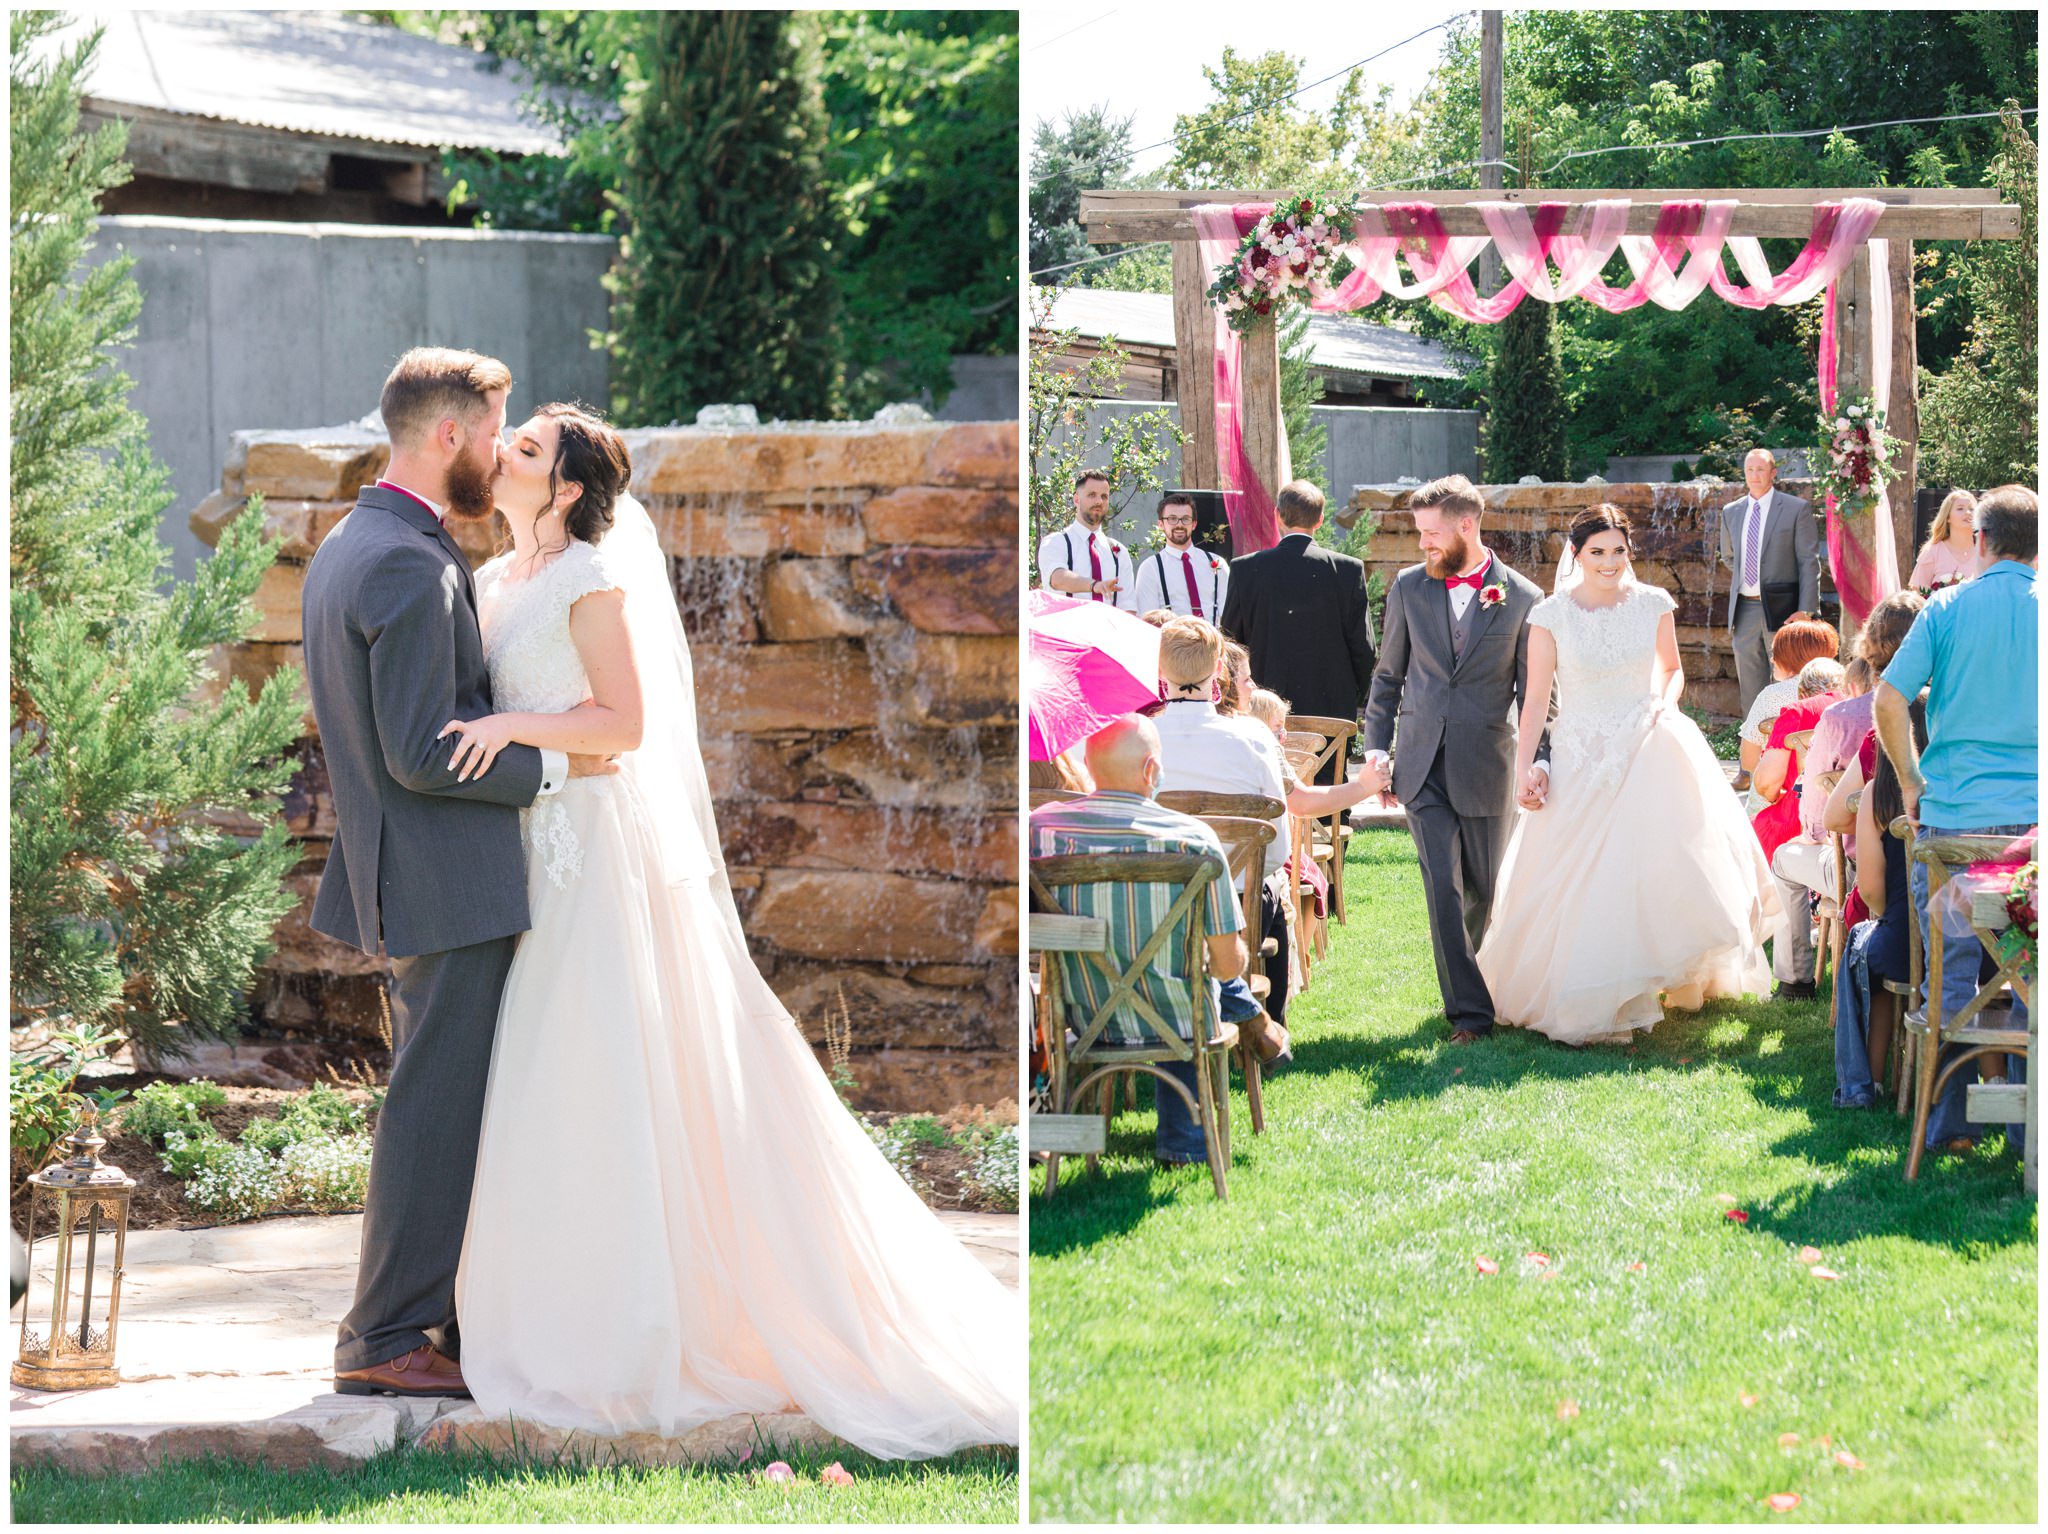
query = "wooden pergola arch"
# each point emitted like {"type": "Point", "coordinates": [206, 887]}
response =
{"type": "Point", "coordinates": [1117, 217]}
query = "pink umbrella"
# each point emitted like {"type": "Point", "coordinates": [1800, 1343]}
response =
{"type": "Point", "coordinates": [1088, 663]}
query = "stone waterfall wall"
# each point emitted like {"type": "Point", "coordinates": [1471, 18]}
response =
{"type": "Point", "coordinates": [1677, 543]}
{"type": "Point", "coordinates": [850, 594]}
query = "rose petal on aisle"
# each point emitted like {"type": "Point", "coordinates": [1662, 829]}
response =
{"type": "Point", "coordinates": [1845, 1458]}
{"type": "Point", "coordinates": [1739, 1216]}
{"type": "Point", "coordinates": [1566, 1410]}
{"type": "Point", "coordinates": [1788, 1440]}
{"type": "Point", "coordinates": [835, 1474]}
{"type": "Point", "coordinates": [1485, 1264]}
{"type": "Point", "coordinates": [1782, 1501]}
{"type": "Point", "coordinates": [1827, 1273]}
{"type": "Point", "coordinates": [1809, 1254]}
{"type": "Point", "coordinates": [1747, 1399]}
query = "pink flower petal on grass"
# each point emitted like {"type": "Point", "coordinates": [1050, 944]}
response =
{"type": "Point", "coordinates": [1809, 1254]}
{"type": "Point", "coordinates": [1566, 1410]}
{"type": "Point", "coordinates": [1485, 1265]}
{"type": "Point", "coordinates": [1747, 1399]}
{"type": "Point", "coordinates": [779, 1471]}
{"type": "Point", "coordinates": [1739, 1216]}
{"type": "Point", "coordinates": [835, 1474]}
{"type": "Point", "coordinates": [745, 1454]}
{"type": "Point", "coordinates": [1726, 1198]}
{"type": "Point", "coordinates": [1827, 1273]}
{"type": "Point", "coordinates": [1639, 1267]}
{"type": "Point", "coordinates": [1782, 1501]}
{"type": "Point", "coordinates": [1844, 1457]}
{"type": "Point", "coordinates": [1788, 1440]}
{"type": "Point", "coordinates": [1537, 1260]}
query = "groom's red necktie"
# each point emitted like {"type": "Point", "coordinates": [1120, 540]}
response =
{"type": "Point", "coordinates": [1094, 564]}
{"type": "Point", "coordinates": [1187, 568]}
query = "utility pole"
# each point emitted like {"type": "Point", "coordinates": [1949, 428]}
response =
{"type": "Point", "coordinates": [1490, 145]}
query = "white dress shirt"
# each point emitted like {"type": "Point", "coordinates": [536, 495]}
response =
{"type": "Point", "coordinates": [1163, 581]}
{"type": "Point", "coordinates": [554, 765]}
{"type": "Point", "coordinates": [1067, 549]}
{"type": "Point", "coordinates": [1205, 752]}
{"type": "Point", "coordinates": [1750, 508]}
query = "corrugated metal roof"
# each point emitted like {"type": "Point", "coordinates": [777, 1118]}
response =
{"type": "Point", "coordinates": [1342, 343]}
{"type": "Point", "coordinates": [315, 72]}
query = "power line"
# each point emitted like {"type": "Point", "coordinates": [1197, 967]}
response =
{"type": "Point", "coordinates": [1084, 26]}
{"type": "Point", "coordinates": [1173, 139]}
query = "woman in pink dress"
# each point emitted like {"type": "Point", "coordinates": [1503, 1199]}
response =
{"type": "Point", "coordinates": [1949, 554]}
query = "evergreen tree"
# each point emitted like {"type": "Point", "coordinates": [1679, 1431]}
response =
{"type": "Point", "coordinates": [132, 905]}
{"type": "Point", "coordinates": [1525, 410]}
{"type": "Point", "coordinates": [724, 290]}
{"type": "Point", "coordinates": [1090, 151]}
{"type": "Point", "coordinates": [1300, 391]}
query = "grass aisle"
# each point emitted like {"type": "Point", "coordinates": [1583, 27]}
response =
{"type": "Point", "coordinates": [424, 1486]}
{"type": "Point", "coordinates": [1323, 1346]}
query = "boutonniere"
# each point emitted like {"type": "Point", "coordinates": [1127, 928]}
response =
{"type": "Point", "coordinates": [1493, 593]}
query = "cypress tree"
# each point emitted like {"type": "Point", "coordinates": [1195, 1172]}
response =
{"type": "Point", "coordinates": [147, 855]}
{"type": "Point", "coordinates": [1525, 421]}
{"type": "Point", "coordinates": [724, 290]}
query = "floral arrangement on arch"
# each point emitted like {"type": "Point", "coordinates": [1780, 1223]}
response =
{"type": "Point", "coordinates": [1855, 453]}
{"type": "Point", "coordinates": [1296, 246]}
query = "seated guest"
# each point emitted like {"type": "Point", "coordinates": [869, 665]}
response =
{"type": "Point", "coordinates": [1841, 730]}
{"type": "Point", "coordinates": [1120, 816]}
{"type": "Point", "coordinates": [1233, 678]}
{"type": "Point", "coordinates": [1878, 949]}
{"type": "Point", "coordinates": [1158, 617]}
{"type": "Point", "coordinates": [1976, 651]}
{"type": "Point", "coordinates": [1208, 751]}
{"type": "Point", "coordinates": [1791, 648]}
{"type": "Point", "coordinates": [1271, 710]}
{"type": "Point", "coordinates": [1795, 860]}
{"type": "Point", "coordinates": [1950, 554]}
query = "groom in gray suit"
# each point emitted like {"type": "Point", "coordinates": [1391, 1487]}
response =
{"type": "Point", "coordinates": [1770, 541]}
{"type": "Point", "coordinates": [1453, 663]}
{"type": "Point", "coordinates": [427, 868]}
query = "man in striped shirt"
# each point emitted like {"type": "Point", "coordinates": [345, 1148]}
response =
{"type": "Point", "coordinates": [1120, 816]}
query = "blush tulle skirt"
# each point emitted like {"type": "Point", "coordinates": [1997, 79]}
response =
{"type": "Point", "coordinates": [1639, 886]}
{"type": "Point", "coordinates": [674, 1218]}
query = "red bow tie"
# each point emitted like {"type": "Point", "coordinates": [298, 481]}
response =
{"type": "Point", "coordinates": [1452, 582]}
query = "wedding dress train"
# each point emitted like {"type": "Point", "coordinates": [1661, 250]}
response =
{"type": "Point", "coordinates": [674, 1218]}
{"type": "Point", "coordinates": [1639, 885]}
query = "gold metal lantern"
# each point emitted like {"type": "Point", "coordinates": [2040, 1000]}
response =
{"type": "Point", "coordinates": [87, 1202]}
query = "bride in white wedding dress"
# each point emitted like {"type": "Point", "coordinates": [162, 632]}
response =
{"type": "Point", "coordinates": [1637, 883]}
{"type": "Point", "coordinates": [674, 1217]}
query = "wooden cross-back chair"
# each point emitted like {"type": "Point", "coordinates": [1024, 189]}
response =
{"type": "Point", "coordinates": [1332, 834]}
{"type": "Point", "coordinates": [1097, 1062]}
{"type": "Point", "coordinates": [1945, 857]}
{"type": "Point", "coordinates": [1244, 824]}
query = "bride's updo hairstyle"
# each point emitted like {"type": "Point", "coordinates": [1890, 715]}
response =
{"type": "Point", "coordinates": [592, 454]}
{"type": "Point", "coordinates": [1595, 520]}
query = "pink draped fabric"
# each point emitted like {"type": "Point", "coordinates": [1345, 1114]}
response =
{"type": "Point", "coordinates": [1671, 267]}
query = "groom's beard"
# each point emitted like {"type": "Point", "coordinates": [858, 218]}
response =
{"type": "Point", "coordinates": [469, 487]}
{"type": "Point", "coordinates": [1449, 562]}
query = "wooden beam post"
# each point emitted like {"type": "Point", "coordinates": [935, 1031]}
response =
{"type": "Point", "coordinates": [1265, 434]}
{"type": "Point", "coordinates": [1194, 340]}
{"type": "Point", "coordinates": [1902, 410]}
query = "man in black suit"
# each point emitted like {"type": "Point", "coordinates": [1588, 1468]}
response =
{"type": "Point", "coordinates": [1301, 611]}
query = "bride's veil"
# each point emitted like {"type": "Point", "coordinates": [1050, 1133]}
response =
{"type": "Point", "coordinates": [668, 767]}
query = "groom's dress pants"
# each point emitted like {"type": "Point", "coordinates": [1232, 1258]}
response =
{"type": "Point", "coordinates": [1461, 857]}
{"type": "Point", "coordinates": [444, 1018]}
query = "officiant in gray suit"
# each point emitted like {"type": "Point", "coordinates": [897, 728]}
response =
{"type": "Point", "coordinates": [1771, 543]}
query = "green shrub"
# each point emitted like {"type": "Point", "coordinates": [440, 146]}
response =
{"type": "Point", "coordinates": [43, 1102]}
{"type": "Point", "coordinates": [327, 1173]}
{"type": "Point", "coordinates": [186, 1153]}
{"type": "Point", "coordinates": [163, 1106]}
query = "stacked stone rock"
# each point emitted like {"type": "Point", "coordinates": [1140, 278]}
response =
{"type": "Point", "coordinates": [1677, 539]}
{"type": "Point", "coordinates": [850, 595]}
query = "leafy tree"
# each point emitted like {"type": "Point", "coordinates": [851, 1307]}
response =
{"type": "Point", "coordinates": [1979, 421]}
{"type": "Point", "coordinates": [1525, 419]}
{"type": "Point", "coordinates": [1090, 151]}
{"type": "Point", "coordinates": [132, 906]}
{"type": "Point", "coordinates": [923, 109]}
{"type": "Point", "coordinates": [1063, 437]}
{"type": "Point", "coordinates": [725, 288]}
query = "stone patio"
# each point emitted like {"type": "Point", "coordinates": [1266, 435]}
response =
{"type": "Point", "coordinates": [226, 1347]}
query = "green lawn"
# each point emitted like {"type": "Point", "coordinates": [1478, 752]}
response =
{"type": "Point", "coordinates": [1322, 1346]}
{"type": "Point", "coordinates": [423, 1486]}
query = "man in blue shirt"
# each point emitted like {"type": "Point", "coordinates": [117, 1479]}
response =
{"type": "Point", "coordinates": [1976, 649]}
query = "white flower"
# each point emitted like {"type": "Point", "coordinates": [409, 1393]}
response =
{"type": "Point", "coordinates": [1841, 423]}
{"type": "Point", "coordinates": [1855, 410]}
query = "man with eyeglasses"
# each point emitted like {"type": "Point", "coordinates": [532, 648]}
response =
{"type": "Point", "coordinates": [1190, 580]}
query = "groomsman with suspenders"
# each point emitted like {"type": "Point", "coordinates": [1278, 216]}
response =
{"type": "Point", "coordinates": [1182, 576]}
{"type": "Point", "coordinates": [1080, 559]}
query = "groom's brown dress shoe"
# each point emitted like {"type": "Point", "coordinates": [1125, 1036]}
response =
{"type": "Point", "coordinates": [422, 1372]}
{"type": "Point", "coordinates": [1465, 1036]}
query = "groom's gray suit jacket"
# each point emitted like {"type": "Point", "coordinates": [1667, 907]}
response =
{"type": "Point", "coordinates": [1466, 703]}
{"type": "Point", "coordinates": [393, 652]}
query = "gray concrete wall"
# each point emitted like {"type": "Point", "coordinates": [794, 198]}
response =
{"type": "Point", "coordinates": [250, 325]}
{"type": "Point", "coordinates": [1369, 445]}
{"type": "Point", "coordinates": [984, 389]}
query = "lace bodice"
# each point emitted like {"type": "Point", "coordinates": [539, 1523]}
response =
{"type": "Point", "coordinates": [535, 670]}
{"type": "Point", "coordinates": [1606, 670]}
{"type": "Point", "coordinates": [534, 665]}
